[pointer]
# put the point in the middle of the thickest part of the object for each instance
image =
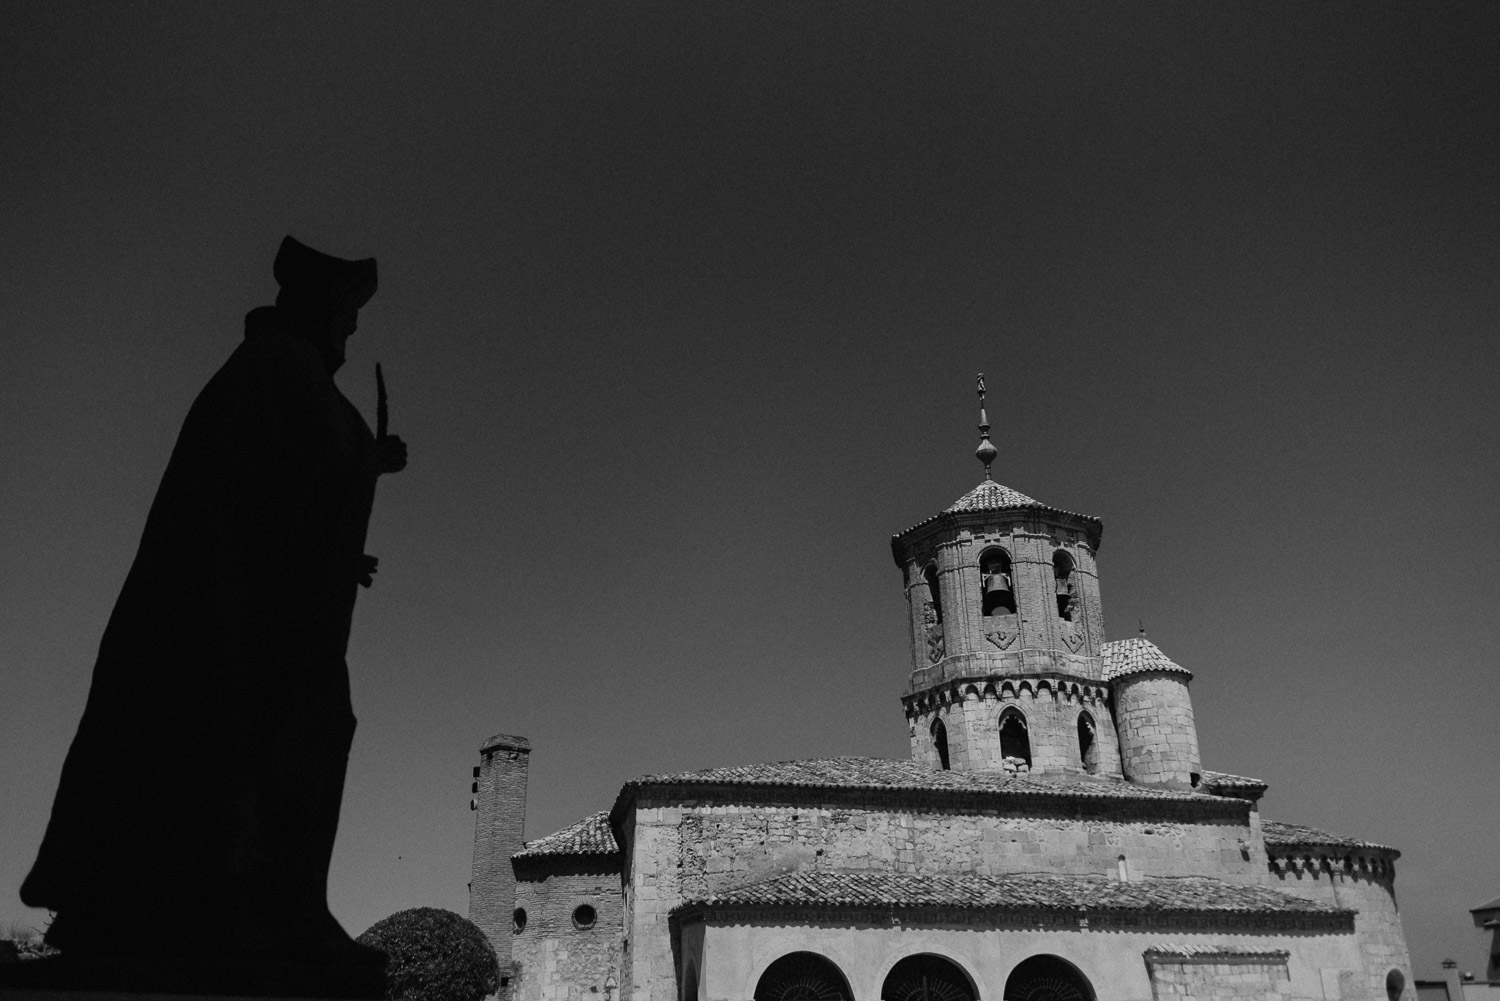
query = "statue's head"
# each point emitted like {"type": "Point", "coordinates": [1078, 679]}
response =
{"type": "Point", "coordinates": [321, 296]}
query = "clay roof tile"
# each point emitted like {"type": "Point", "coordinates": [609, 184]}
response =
{"type": "Point", "coordinates": [590, 836]}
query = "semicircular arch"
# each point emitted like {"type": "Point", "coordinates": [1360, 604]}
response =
{"type": "Point", "coordinates": [802, 976]}
{"type": "Point", "coordinates": [1047, 977]}
{"type": "Point", "coordinates": [928, 976]}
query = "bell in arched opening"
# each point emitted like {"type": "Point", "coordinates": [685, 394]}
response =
{"type": "Point", "coordinates": [999, 592]}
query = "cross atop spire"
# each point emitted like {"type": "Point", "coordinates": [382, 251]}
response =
{"type": "Point", "coordinates": [986, 452]}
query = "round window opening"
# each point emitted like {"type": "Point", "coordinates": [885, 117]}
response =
{"type": "Point", "coordinates": [584, 917]}
{"type": "Point", "coordinates": [518, 920]}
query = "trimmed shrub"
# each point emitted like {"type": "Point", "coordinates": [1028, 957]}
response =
{"type": "Point", "coordinates": [434, 955]}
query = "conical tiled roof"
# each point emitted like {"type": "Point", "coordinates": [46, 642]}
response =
{"type": "Point", "coordinates": [991, 496]}
{"type": "Point", "coordinates": [1134, 656]}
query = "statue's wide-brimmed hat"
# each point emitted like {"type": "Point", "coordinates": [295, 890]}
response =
{"type": "Point", "coordinates": [304, 271]}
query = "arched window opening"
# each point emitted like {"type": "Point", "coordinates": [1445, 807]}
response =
{"type": "Point", "coordinates": [1047, 978]}
{"type": "Point", "coordinates": [999, 592]}
{"type": "Point", "coordinates": [927, 978]}
{"type": "Point", "coordinates": [940, 741]}
{"type": "Point", "coordinates": [802, 976]}
{"type": "Point", "coordinates": [1395, 983]}
{"type": "Point", "coordinates": [1062, 574]}
{"type": "Point", "coordinates": [934, 596]}
{"type": "Point", "coordinates": [1015, 741]}
{"type": "Point", "coordinates": [932, 616]}
{"type": "Point", "coordinates": [1088, 744]}
{"type": "Point", "coordinates": [518, 920]}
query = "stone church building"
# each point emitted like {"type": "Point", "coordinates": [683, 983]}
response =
{"type": "Point", "coordinates": [1052, 837]}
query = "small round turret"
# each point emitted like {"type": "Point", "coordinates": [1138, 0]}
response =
{"type": "Point", "coordinates": [1153, 714]}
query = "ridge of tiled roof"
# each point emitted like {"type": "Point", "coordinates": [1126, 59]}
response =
{"type": "Point", "coordinates": [1134, 656]}
{"type": "Point", "coordinates": [1223, 782]}
{"type": "Point", "coordinates": [590, 836]}
{"type": "Point", "coordinates": [1279, 835]}
{"type": "Point", "coordinates": [1034, 891]}
{"type": "Point", "coordinates": [992, 496]}
{"type": "Point", "coordinates": [890, 774]}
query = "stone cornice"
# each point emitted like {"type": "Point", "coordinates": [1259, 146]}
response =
{"type": "Point", "coordinates": [1214, 955]}
{"type": "Point", "coordinates": [1335, 922]}
{"type": "Point", "coordinates": [1061, 804]}
{"type": "Point", "coordinates": [1373, 863]}
{"type": "Point", "coordinates": [977, 686]}
{"type": "Point", "coordinates": [902, 543]}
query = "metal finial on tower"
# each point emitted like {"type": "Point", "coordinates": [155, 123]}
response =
{"type": "Point", "coordinates": [1141, 623]}
{"type": "Point", "coordinates": [986, 452]}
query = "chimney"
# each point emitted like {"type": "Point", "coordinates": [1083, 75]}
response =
{"type": "Point", "coordinates": [500, 820]}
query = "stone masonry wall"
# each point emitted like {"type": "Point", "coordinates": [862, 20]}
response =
{"type": "Point", "coordinates": [1218, 978]}
{"type": "Point", "coordinates": [1158, 738]}
{"type": "Point", "coordinates": [684, 850]}
{"type": "Point", "coordinates": [1042, 640]}
{"type": "Point", "coordinates": [1377, 926]}
{"type": "Point", "coordinates": [1052, 709]}
{"type": "Point", "coordinates": [556, 961]}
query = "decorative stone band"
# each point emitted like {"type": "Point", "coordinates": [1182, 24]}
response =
{"type": "Point", "coordinates": [1293, 849]}
{"type": "Point", "coordinates": [886, 783]}
{"type": "Point", "coordinates": [1021, 899]}
{"type": "Point", "coordinates": [1215, 954]}
{"type": "Point", "coordinates": [1291, 863]}
{"type": "Point", "coordinates": [1057, 687]}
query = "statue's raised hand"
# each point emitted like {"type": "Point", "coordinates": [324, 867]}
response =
{"type": "Point", "coordinates": [390, 454]}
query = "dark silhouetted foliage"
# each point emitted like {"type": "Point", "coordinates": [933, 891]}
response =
{"type": "Point", "coordinates": [434, 955]}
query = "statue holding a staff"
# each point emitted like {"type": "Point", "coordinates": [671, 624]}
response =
{"type": "Point", "coordinates": [190, 837]}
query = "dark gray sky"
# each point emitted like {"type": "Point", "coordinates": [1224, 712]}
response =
{"type": "Point", "coordinates": [680, 309]}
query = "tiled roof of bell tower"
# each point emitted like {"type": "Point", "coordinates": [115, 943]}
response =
{"type": "Point", "coordinates": [991, 496]}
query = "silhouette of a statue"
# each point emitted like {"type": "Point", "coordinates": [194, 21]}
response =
{"type": "Point", "coordinates": [189, 842]}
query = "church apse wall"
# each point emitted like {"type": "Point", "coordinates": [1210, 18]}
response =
{"type": "Point", "coordinates": [684, 849]}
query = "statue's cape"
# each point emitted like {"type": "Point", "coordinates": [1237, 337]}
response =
{"type": "Point", "coordinates": [218, 721]}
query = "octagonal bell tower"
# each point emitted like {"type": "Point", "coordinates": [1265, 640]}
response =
{"type": "Point", "coordinates": [1007, 635]}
